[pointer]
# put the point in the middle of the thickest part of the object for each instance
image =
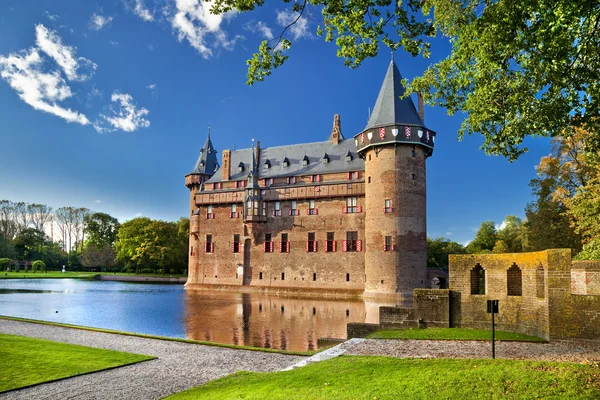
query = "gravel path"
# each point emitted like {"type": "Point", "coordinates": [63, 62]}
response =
{"type": "Point", "coordinates": [556, 351]}
{"type": "Point", "coordinates": [179, 366]}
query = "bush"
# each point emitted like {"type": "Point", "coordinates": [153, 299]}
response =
{"type": "Point", "coordinates": [38, 265]}
{"type": "Point", "coordinates": [4, 263]}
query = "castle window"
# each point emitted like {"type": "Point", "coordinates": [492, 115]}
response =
{"type": "Point", "coordinates": [315, 178]}
{"type": "Point", "coordinates": [388, 246]}
{"type": "Point", "coordinates": [294, 209]}
{"type": "Point", "coordinates": [192, 251]}
{"type": "Point", "coordinates": [268, 245]}
{"type": "Point", "coordinates": [352, 175]}
{"type": "Point", "coordinates": [286, 162]}
{"type": "Point", "coordinates": [234, 213]}
{"type": "Point", "coordinates": [325, 159]}
{"type": "Point", "coordinates": [291, 180]}
{"type": "Point", "coordinates": [540, 285]}
{"type": "Point", "coordinates": [387, 206]}
{"type": "Point", "coordinates": [209, 246]}
{"type": "Point", "coordinates": [314, 276]}
{"type": "Point", "coordinates": [260, 277]}
{"type": "Point", "coordinates": [414, 176]}
{"type": "Point", "coordinates": [514, 281]}
{"type": "Point", "coordinates": [267, 164]}
{"type": "Point", "coordinates": [240, 184]}
{"type": "Point", "coordinates": [350, 205]}
{"type": "Point", "coordinates": [352, 244]}
{"type": "Point", "coordinates": [347, 280]}
{"type": "Point", "coordinates": [413, 153]}
{"type": "Point", "coordinates": [240, 167]}
{"type": "Point", "coordinates": [283, 279]}
{"type": "Point", "coordinates": [267, 181]}
{"type": "Point", "coordinates": [369, 179]}
{"type": "Point", "coordinates": [312, 210]}
{"type": "Point", "coordinates": [369, 157]}
{"type": "Point", "coordinates": [235, 246]}
{"type": "Point", "coordinates": [478, 280]}
{"type": "Point", "coordinates": [348, 157]}
{"type": "Point", "coordinates": [209, 212]}
{"type": "Point", "coordinates": [284, 247]}
{"type": "Point", "coordinates": [305, 160]}
{"type": "Point", "coordinates": [277, 210]}
{"type": "Point", "coordinates": [311, 243]}
{"type": "Point", "coordinates": [330, 245]}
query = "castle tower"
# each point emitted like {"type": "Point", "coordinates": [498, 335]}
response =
{"type": "Point", "coordinates": [395, 145]}
{"type": "Point", "coordinates": [205, 167]}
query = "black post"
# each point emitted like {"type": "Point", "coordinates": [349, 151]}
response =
{"type": "Point", "coordinates": [493, 337]}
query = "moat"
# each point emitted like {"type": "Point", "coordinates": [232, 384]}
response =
{"type": "Point", "coordinates": [251, 319]}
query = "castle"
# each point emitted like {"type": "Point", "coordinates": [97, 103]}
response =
{"type": "Point", "coordinates": [343, 216]}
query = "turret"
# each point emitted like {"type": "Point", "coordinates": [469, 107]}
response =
{"type": "Point", "coordinates": [205, 167]}
{"type": "Point", "coordinates": [395, 145]}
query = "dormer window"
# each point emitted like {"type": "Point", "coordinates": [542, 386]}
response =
{"type": "Point", "coordinates": [305, 160]}
{"type": "Point", "coordinates": [286, 162]}
{"type": "Point", "coordinates": [325, 159]}
{"type": "Point", "coordinates": [202, 163]}
{"type": "Point", "coordinates": [267, 164]}
{"type": "Point", "coordinates": [348, 157]}
{"type": "Point", "coordinates": [240, 167]}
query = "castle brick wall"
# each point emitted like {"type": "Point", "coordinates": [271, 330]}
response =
{"type": "Point", "coordinates": [393, 173]}
{"type": "Point", "coordinates": [585, 277]}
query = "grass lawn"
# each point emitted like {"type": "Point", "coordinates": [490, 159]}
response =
{"type": "Point", "coordinates": [450, 334]}
{"type": "Point", "coordinates": [28, 361]}
{"type": "Point", "coordinates": [349, 377]}
{"type": "Point", "coordinates": [75, 275]}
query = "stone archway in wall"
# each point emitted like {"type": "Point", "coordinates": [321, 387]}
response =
{"type": "Point", "coordinates": [247, 278]}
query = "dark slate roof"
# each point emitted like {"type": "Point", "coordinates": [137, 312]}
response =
{"type": "Point", "coordinates": [389, 108]}
{"type": "Point", "coordinates": [207, 160]}
{"type": "Point", "coordinates": [295, 154]}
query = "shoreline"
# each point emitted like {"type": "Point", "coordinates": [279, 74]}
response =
{"type": "Point", "coordinates": [98, 276]}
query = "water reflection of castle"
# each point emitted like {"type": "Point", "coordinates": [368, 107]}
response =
{"type": "Point", "coordinates": [260, 320]}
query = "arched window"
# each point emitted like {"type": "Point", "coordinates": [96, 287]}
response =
{"type": "Point", "coordinates": [540, 284]}
{"type": "Point", "coordinates": [478, 280]}
{"type": "Point", "coordinates": [514, 281]}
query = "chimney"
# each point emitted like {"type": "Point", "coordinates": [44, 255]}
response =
{"type": "Point", "coordinates": [226, 165]}
{"type": "Point", "coordinates": [420, 105]}
{"type": "Point", "coordinates": [336, 132]}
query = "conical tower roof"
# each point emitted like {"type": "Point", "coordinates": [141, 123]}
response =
{"type": "Point", "coordinates": [207, 162]}
{"type": "Point", "coordinates": [389, 108]}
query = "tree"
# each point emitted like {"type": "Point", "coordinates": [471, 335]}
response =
{"type": "Point", "coordinates": [485, 239]}
{"type": "Point", "coordinates": [38, 265]}
{"type": "Point", "coordinates": [438, 250]}
{"type": "Point", "coordinates": [8, 223]}
{"type": "Point", "coordinates": [500, 247]}
{"type": "Point", "coordinates": [7, 249]}
{"type": "Point", "coordinates": [516, 69]}
{"type": "Point", "coordinates": [130, 237]}
{"type": "Point", "coordinates": [101, 229]}
{"type": "Point", "coordinates": [95, 257]}
{"type": "Point", "coordinates": [4, 262]}
{"type": "Point", "coordinates": [591, 250]}
{"type": "Point", "coordinates": [39, 215]}
{"type": "Point", "coordinates": [513, 235]}
{"type": "Point", "coordinates": [29, 244]}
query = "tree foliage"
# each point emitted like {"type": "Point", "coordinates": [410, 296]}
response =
{"type": "Point", "coordinates": [516, 69]}
{"type": "Point", "coordinates": [101, 229]}
{"type": "Point", "coordinates": [485, 239]}
{"type": "Point", "coordinates": [438, 250]}
{"type": "Point", "coordinates": [38, 265]}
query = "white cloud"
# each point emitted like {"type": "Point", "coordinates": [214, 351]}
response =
{"type": "Point", "coordinates": [77, 69]}
{"type": "Point", "coordinates": [124, 116]}
{"type": "Point", "coordinates": [51, 17]}
{"type": "Point", "coordinates": [141, 11]}
{"type": "Point", "coordinates": [299, 29]}
{"type": "Point", "coordinates": [98, 21]}
{"type": "Point", "coordinates": [260, 27]}
{"type": "Point", "coordinates": [501, 226]}
{"type": "Point", "coordinates": [41, 90]}
{"type": "Point", "coordinates": [151, 86]}
{"type": "Point", "coordinates": [449, 233]}
{"type": "Point", "coordinates": [466, 243]}
{"type": "Point", "coordinates": [112, 42]}
{"type": "Point", "coordinates": [97, 201]}
{"type": "Point", "coordinates": [194, 22]}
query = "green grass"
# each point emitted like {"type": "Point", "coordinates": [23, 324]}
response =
{"type": "Point", "coordinates": [349, 377]}
{"type": "Point", "coordinates": [77, 275]}
{"type": "Point", "coordinates": [29, 361]}
{"type": "Point", "coordinates": [142, 335]}
{"type": "Point", "coordinates": [451, 334]}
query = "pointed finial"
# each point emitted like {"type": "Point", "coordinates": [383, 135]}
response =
{"type": "Point", "coordinates": [209, 130]}
{"type": "Point", "coordinates": [392, 55]}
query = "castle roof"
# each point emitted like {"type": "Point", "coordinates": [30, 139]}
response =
{"type": "Point", "coordinates": [389, 108]}
{"type": "Point", "coordinates": [207, 162]}
{"type": "Point", "coordinates": [271, 160]}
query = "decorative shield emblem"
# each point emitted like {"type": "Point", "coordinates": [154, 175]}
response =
{"type": "Point", "coordinates": [407, 132]}
{"type": "Point", "coordinates": [370, 135]}
{"type": "Point", "coordinates": [395, 132]}
{"type": "Point", "coordinates": [362, 138]}
{"type": "Point", "coordinates": [317, 189]}
{"type": "Point", "coordinates": [382, 133]}
{"type": "Point", "coordinates": [427, 135]}
{"type": "Point", "coordinates": [420, 133]}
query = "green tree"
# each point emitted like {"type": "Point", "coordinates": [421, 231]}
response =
{"type": "Point", "coordinates": [438, 250]}
{"type": "Point", "coordinates": [98, 257]}
{"type": "Point", "coordinates": [591, 250]}
{"type": "Point", "coordinates": [128, 246]}
{"type": "Point", "coordinates": [485, 239]}
{"type": "Point", "coordinates": [516, 69]}
{"type": "Point", "coordinates": [513, 235]}
{"type": "Point", "coordinates": [7, 249]}
{"type": "Point", "coordinates": [101, 229]}
{"type": "Point", "coordinates": [500, 247]}
{"type": "Point", "coordinates": [4, 262]}
{"type": "Point", "coordinates": [38, 265]}
{"type": "Point", "coordinates": [29, 244]}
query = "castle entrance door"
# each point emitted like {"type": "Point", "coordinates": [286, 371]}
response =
{"type": "Point", "coordinates": [247, 268]}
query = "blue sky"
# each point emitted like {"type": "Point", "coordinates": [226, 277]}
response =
{"type": "Point", "coordinates": [106, 104]}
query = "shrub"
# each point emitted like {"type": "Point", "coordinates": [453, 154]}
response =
{"type": "Point", "coordinates": [38, 265]}
{"type": "Point", "coordinates": [4, 263]}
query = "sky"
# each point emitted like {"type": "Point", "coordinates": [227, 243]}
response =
{"type": "Point", "coordinates": [106, 105]}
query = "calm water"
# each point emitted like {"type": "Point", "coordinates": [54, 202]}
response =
{"type": "Point", "coordinates": [254, 319]}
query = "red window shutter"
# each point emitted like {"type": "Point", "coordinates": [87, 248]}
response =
{"type": "Point", "coordinates": [316, 246]}
{"type": "Point", "coordinates": [356, 175]}
{"type": "Point", "coordinates": [358, 209]}
{"type": "Point", "coordinates": [359, 245]}
{"type": "Point", "coordinates": [272, 246]}
{"type": "Point", "coordinates": [273, 213]}
{"type": "Point", "coordinates": [316, 211]}
{"type": "Point", "coordinates": [384, 249]}
{"type": "Point", "coordinates": [291, 212]}
{"type": "Point", "coordinates": [348, 175]}
{"type": "Point", "coordinates": [308, 211]}
{"type": "Point", "coordinates": [345, 210]}
{"type": "Point", "coordinates": [326, 245]}
{"type": "Point", "coordinates": [233, 247]}
{"type": "Point", "coordinates": [384, 210]}
{"type": "Point", "coordinates": [298, 211]}
{"type": "Point", "coordinates": [318, 178]}
{"type": "Point", "coordinates": [307, 246]}
{"type": "Point", "coordinates": [287, 245]}
{"type": "Point", "coordinates": [393, 247]}
{"type": "Point", "coordinates": [264, 247]}
{"type": "Point", "coordinates": [243, 183]}
{"type": "Point", "coordinates": [293, 179]}
{"type": "Point", "coordinates": [344, 245]}
{"type": "Point", "coordinates": [205, 249]}
{"type": "Point", "coordinates": [334, 245]}
{"type": "Point", "coordinates": [281, 247]}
